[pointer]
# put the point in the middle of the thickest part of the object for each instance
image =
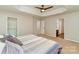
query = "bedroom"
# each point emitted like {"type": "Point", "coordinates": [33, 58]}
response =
{"type": "Point", "coordinates": [26, 20]}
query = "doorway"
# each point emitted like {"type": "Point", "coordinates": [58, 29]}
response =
{"type": "Point", "coordinates": [60, 28]}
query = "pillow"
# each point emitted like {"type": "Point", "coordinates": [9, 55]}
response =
{"type": "Point", "coordinates": [13, 39]}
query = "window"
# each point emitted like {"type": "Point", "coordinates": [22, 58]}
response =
{"type": "Point", "coordinates": [12, 26]}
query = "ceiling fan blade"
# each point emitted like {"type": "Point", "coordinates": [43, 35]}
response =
{"type": "Point", "coordinates": [38, 7]}
{"type": "Point", "coordinates": [48, 8]}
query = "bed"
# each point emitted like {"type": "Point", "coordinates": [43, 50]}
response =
{"type": "Point", "coordinates": [32, 45]}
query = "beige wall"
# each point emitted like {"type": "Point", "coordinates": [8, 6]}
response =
{"type": "Point", "coordinates": [24, 22]}
{"type": "Point", "coordinates": [71, 25]}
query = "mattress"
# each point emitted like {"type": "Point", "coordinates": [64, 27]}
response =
{"type": "Point", "coordinates": [39, 45]}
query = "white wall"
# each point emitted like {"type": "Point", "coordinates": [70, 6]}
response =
{"type": "Point", "coordinates": [24, 22]}
{"type": "Point", "coordinates": [71, 25]}
{"type": "Point", "coordinates": [3, 23]}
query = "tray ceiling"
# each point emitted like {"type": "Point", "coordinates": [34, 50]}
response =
{"type": "Point", "coordinates": [30, 9]}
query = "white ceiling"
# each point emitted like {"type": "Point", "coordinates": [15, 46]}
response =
{"type": "Point", "coordinates": [30, 9]}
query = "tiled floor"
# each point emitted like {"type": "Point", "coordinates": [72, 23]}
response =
{"type": "Point", "coordinates": [69, 47]}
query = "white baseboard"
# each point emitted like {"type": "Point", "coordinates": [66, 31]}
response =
{"type": "Point", "coordinates": [71, 40]}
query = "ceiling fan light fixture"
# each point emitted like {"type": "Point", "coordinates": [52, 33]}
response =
{"type": "Point", "coordinates": [42, 10]}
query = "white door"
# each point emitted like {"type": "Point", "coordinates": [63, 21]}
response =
{"type": "Point", "coordinates": [36, 26]}
{"type": "Point", "coordinates": [42, 26]}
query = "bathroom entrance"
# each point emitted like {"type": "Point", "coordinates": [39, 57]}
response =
{"type": "Point", "coordinates": [60, 28]}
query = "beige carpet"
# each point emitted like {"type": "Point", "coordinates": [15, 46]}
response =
{"type": "Point", "coordinates": [69, 47]}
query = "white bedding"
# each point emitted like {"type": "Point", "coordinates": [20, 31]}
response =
{"type": "Point", "coordinates": [40, 47]}
{"type": "Point", "coordinates": [27, 39]}
{"type": "Point", "coordinates": [34, 45]}
{"type": "Point", "coordinates": [2, 45]}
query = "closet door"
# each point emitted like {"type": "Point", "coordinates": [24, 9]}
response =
{"type": "Point", "coordinates": [36, 25]}
{"type": "Point", "coordinates": [12, 26]}
{"type": "Point", "coordinates": [42, 26]}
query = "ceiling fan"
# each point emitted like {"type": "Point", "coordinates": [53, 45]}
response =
{"type": "Point", "coordinates": [42, 8]}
